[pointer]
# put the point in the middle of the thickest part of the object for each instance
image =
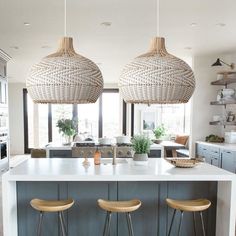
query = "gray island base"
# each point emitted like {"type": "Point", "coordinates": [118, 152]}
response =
{"type": "Point", "coordinates": [152, 184]}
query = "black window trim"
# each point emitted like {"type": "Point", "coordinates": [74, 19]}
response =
{"type": "Point", "coordinates": [74, 116]}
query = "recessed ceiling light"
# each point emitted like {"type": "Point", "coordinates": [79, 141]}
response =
{"type": "Point", "coordinates": [188, 48]}
{"type": "Point", "coordinates": [221, 24]}
{"type": "Point", "coordinates": [106, 23]}
{"type": "Point", "coordinates": [193, 24]}
{"type": "Point", "coordinates": [14, 47]}
{"type": "Point", "coordinates": [26, 24]}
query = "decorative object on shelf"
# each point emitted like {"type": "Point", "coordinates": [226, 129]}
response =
{"type": "Point", "coordinates": [228, 94]}
{"type": "Point", "coordinates": [67, 128]}
{"type": "Point", "coordinates": [183, 162]}
{"type": "Point", "coordinates": [230, 116]}
{"type": "Point", "coordinates": [214, 139]}
{"type": "Point", "coordinates": [159, 132]}
{"type": "Point", "coordinates": [65, 77]}
{"type": "Point", "coordinates": [104, 141]}
{"type": "Point", "coordinates": [219, 63]}
{"type": "Point", "coordinates": [157, 77]}
{"type": "Point", "coordinates": [141, 146]}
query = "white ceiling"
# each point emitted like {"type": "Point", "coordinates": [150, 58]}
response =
{"type": "Point", "coordinates": [134, 23]}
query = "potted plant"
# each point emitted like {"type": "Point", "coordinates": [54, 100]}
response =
{"type": "Point", "coordinates": [159, 132]}
{"type": "Point", "coordinates": [67, 128]}
{"type": "Point", "coordinates": [141, 146]}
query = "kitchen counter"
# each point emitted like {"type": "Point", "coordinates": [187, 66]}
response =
{"type": "Point", "coordinates": [152, 183]}
{"type": "Point", "coordinates": [226, 146]}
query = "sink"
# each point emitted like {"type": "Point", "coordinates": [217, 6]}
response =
{"type": "Point", "coordinates": [106, 161]}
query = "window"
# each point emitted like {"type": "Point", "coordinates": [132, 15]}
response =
{"type": "Point", "coordinates": [111, 114]}
{"type": "Point", "coordinates": [59, 111]}
{"type": "Point", "coordinates": [175, 117]}
{"type": "Point", "coordinates": [102, 118]}
{"type": "Point", "coordinates": [88, 120]}
{"type": "Point", "coordinates": [37, 124]}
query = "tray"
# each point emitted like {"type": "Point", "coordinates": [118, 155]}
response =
{"type": "Point", "coordinates": [183, 163]}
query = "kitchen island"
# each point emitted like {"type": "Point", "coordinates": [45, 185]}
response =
{"type": "Point", "coordinates": [152, 184]}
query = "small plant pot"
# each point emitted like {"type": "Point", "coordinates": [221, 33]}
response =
{"type": "Point", "coordinates": [140, 157]}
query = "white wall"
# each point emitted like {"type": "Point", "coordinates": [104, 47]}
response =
{"type": "Point", "coordinates": [16, 121]}
{"type": "Point", "coordinates": [202, 111]}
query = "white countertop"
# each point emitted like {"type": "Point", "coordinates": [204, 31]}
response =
{"type": "Point", "coordinates": [227, 146]}
{"type": "Point", "coordinates": [71, 169]}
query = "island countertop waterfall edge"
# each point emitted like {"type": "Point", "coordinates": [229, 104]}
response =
{"type": "Point", "coordinates": [72, 170]}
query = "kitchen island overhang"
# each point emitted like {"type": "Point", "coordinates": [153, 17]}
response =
{"type": "Point", "coordinates": [158, 170]}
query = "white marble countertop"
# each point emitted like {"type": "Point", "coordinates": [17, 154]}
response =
{"type": "Point", "coordinates": [227, 146]}
{"type": "Point", "coordinates": [157, 169]}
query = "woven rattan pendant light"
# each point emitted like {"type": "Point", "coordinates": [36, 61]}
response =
{"type": "Point", "coordinates": [65, 77]}
{"type": "Point", "coordinates": [157, 77]}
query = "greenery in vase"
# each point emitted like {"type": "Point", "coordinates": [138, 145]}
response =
{"type": "Point", "coordinates": [141, 144]}
{"type": "Point", "coordinates": [159, 131]}
{"type": "Point", "coordinates": [66, 127]}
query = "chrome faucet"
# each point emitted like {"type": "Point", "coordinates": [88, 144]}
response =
{"type": "Point", "coordinates": [114, 156]}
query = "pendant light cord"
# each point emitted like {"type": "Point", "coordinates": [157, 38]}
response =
{"type": "Point", "coordinates": [158, 18]}
{"type": "Point", "coordinates": [65, 18]}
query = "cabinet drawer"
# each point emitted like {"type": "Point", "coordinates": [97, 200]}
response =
{"type": "Point", "coordinates": [214, 150]}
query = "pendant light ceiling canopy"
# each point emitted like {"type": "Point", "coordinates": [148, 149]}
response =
{"type": "Point", "coordinates": [65, 77]}
{"type": "Point", "coordinates": [157, 77]}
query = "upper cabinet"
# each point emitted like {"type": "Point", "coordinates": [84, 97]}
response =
{"type": "Point", "coordinates": [4, 58]}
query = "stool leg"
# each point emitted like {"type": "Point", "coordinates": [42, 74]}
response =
{"type": "Point", "coordinates": [203, 228]}
{"type": "Point", "coordinates": [172, 220]}
{"type": "Point", "coordinates": [39, 229]}
{"type": "Point", "coordinates": [107, 224]}
{"type": "Point", "coordinates": [62, 224]}
{"type": "Point", "coordinates": [129, 223]}
{"type": "Point", "coordinates": [194, 222]}
{"type": "Point", "coordinates": [180, 223]}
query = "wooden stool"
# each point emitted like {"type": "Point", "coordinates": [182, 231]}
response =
{"type": "Point", "coordinates": [197, 205]}
{"type": "Point", "coordinates": [119, 207]}
{"type": "Point", "coordinates": [51, 206]}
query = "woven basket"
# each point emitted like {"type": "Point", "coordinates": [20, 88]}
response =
{"type": "Point", "coordinates": [183, 163]}
{"type": "Point", "coordinates": [157, 77]}
{"type": "Point", "coordinates": [65, 77]}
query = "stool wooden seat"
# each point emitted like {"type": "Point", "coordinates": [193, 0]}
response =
{"type": "Point", "coordinates": [119, 207]}
{"type": "Point", "coordinates": [189, 205]}
{"type": "Point", "coordinates": [196, 205]}
{"type": "Point", "coordinates": [51, 206]}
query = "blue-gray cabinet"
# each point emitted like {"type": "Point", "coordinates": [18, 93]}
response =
{"type": "Point", "coordinates": [225, 159]}
{"type": "Point", "coordinates": [228, 160]}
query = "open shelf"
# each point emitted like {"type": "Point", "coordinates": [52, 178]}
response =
{"type": "Point", "coordinates": [229, 77]}
{"type": "Point", "coordinates": [223, 102]}
{"type": "Point", "coordinates": [222, 123]}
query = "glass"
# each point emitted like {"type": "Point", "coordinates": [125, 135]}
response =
{"type": "Point", "coordinates": [59, 111]}
{"type": "Point", "coordinates": [37, 124]}
{"type": "Point", "coordinates": [175, 117]}
{"type": "Point", "coordinates": [111, 114]}
{"type": "Point", "coordinates": [88, 120]}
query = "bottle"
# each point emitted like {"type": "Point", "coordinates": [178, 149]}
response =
{"type": "Point", "coordinates": [97, 157]}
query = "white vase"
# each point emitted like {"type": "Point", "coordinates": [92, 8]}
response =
{"type": "Point", "coordinates": [140, 157]}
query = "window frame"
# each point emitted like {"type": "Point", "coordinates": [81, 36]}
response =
{"type": "Point", "coordinates": [74, 116]}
